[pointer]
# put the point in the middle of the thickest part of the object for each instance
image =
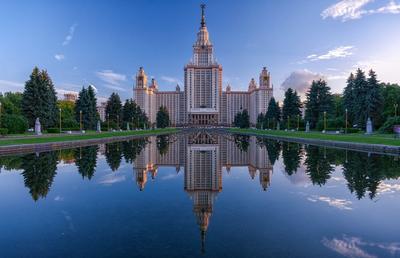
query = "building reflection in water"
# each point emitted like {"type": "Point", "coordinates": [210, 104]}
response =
{"type": "Point", "coordinates": [203, 157]}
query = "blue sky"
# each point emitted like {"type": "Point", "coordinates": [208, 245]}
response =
{"type": "Point", "coordinates": [105, 42]}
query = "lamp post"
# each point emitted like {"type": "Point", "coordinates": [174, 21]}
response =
{"type": "Point", "coordinates": [298, 122]}
{"type": "Point", "coordinates": [60, 119]}
{"type": "Point", "coordinates": [288, 125]}
{"type": "Point", "coordinates": [346, 122]}
{"type": "Point", "coordinates": [395, 109]}
{"type": "Point", "coordinates": [117, 121]}
{"type": "Point", "coordinates": [0, 114]}
{"type": "Point", "coordinates": [80, 120]}
{"type": "Point", "coordinates": [325, 121]}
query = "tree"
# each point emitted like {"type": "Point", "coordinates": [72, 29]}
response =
{"type": "Point", "coordinates": [68, 118]}
{"type": "Point", "coordinates": [261, 121]}
{"type": "Point", "coordinates": [162, 117]}
{"type": "Point", "coordinates": [113, 109]}
{"type": "Point", "coordinates": [39, 99]}
{"type": "Point", "coordinates": [273, 112]}
{"type": "Point", "coordinates": [359, 105]}
{"type": "Point", "coordinates": [291, 157]}
{"type": "Point", "coordinates": [348, 97]}
{"type": "Point", "coordinates": [291, 105]}
{"type": "Point", "coordinates": [11, 103]}
{"type": "Point", "coordinates": [374, 99]}
{"type": "Point", "coordinates": [86, 103]}
{"type": "Point", "coordinates": [113, 155]}
{"type": "Point", "coordinates": [319, 100]}
{"type": "Point", "coordinates": [242, 119]}
{"type": "Point", "coordinates": [391, 96]}
{"type": "Point", "coordinates": [129, 112]}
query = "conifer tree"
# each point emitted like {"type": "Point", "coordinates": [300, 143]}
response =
{"type": "Point", "coordinates": [374, 99]}
{"type": "Point", "coordinates": [348, 97]}
{"type": "Point", "coordinates": [162, 117]}
{"type": "Point", "coordinates": [86, 103]}
{"type": "Point", "coordinates": [291, 105]}
{"type": "Point", "coordinates": [39, 99]}
{"type": "Point", "coordinates": [359, 106]}
{"type": "Point", "coordinates": [273, 112]}
{"type": "Point", "coordinates": [319, 100]}
{"type": "Point", "coordinates": [114, 108]}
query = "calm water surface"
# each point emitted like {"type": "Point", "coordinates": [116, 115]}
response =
{"type": "Point", "coordinates": [200, 195]}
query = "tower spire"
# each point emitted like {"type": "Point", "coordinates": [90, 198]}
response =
{"type": "Point", "coordinates": [203, 20]}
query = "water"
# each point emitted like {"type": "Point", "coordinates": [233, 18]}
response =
{"type": "Point", "coordinates": [200, 195]}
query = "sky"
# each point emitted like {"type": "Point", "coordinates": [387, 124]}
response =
{"type": "Point", "coordinates": [103, 43]}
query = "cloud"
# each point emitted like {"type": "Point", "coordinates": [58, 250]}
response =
{"type": "Point", "coordinates": [388, 188]}
{"type": "Point", "coordinates": [171, 80]}
{"type": "Point", "coordinates": [340, 204]}
{"type": "Point", "coordinates": [70, 35]}
{"type": "Point", "coordinates": [110, 77]}
{"type": "Point", "coordinates": [354, 9]}
{"type": "Point", "coordinates": [5, 85]}
{"type": "Point", "coordinates": [300, 80]}
{"type": "Point", "coordinates": [353, 247]}
{"type": "Point", "coordinates": [339, 52]}
{"type": "Point", "coordinates": [59, 57]}
{"type": "Point", "coordinates": [113, 87]}
{"type": "Point", "coordinates": [111, 179]}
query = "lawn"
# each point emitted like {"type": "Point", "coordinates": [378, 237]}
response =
{"type": "Point", "coordinates": [76, 137]}
{"type": "Point", "coordinates": [385, 139]}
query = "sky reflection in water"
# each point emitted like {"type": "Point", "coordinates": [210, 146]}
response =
{"type": "Point", "coordinates": [200, 195]}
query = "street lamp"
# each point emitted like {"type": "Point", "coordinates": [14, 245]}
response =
{"type": "Point", "coordinates": [80, 120]}
{"type": "Point", "coordinates": [325, 121]}
{"type": "Point", "coordinates": [395, 109]}
{"type": "Point", "coordinates": [60, 119]}
{"type": "Point", "coordinates": [117, 121]}
{"type": "Point", "coordinates": [298, 122]}
{"type": "Point", "coordinates": [0, 114]}
{"type": "Point", "coordinates": [346, 122]}
{"type": "Point", "coordinates": [288, 125]}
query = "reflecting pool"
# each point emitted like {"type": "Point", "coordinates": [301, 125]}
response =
{"type": "Point", "coordinates": [200, 194]}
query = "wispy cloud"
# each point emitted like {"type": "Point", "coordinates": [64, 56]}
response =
{"type": "Point", "coordinates": [353, 247]}
{"type": "Point", "coordinates": [59, 57]}
{"type": "Point", "coordinates": [111, 179]}
{"type": "Point", "coordinates": [113, 87]}
{"type": "Point", "coordinates": [338, 52]}
{"type": "Point", "coordinates": [354, 9]}
{"type": "Point", "coordinates": [341, 204]}
{"type": "Point", "coordinates": [111, 77]}
{"type": "Point", "coordinates": [4, 85]}
{"type": "Point", "coordinates": [171, 80]}
{"type": "Point", "coordinates": [70, 35]}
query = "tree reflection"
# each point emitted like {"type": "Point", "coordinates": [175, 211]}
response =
{"type": "Point", "coordinates": [273, 148]}
{"type": "Point", "coordinates": [242, 141]}
{"type": "Point", "coordinates": [318, 166]}
{"type": "Point", "coordinates": [114, 155]}
{"type": "Point", "coordinates": [39, 170]}
{"type": "Point", "coordinates": [291, 156]}
{"type": "Point", "coordinates": [85, 160]}
{"type": "Point", "coordinates": [132, 148]}
{"type": "Point", "coordinates": [162, 144]}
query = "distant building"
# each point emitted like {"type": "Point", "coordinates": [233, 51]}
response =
{"type": "Point", "coordinates": [203, 102]}
{"type": "Point", "coordinates": [101, 109]}
{"type": "Point", "coordinates": [71, 96]}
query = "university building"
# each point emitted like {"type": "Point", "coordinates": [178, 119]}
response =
{"type": "Point", "coordinates": [203, 101]}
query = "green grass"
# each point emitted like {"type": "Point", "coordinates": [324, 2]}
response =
{"type": "Point", "coordinates": [77, 137]}
{"type": "Point", "coordinates": [385, 139]}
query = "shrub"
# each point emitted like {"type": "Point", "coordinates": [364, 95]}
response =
{"type": "Point", "coordinates": [353, 130]}
{"type": "Point", "coordinates": [71, 129]}
{"type": "Point", "coordinates": [387, 127]}
{"type": "Point", "coordinates": [331, 124]}
{"type": "Point", "coordinates": [3, 131]}
{"type": "Point", "coordinates": [14, 123]}
{"type": "Point", "coordinates": [53, 130]}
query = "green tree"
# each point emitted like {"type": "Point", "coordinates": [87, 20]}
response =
{"type": "Point", "coordinates": [113, 155]}
{"type": "Point", "coordinates": [291, 157]}
{"type": "Point", "coordinates": [132, 148]}
{"type": "Point", "coordinates": [391, 97]}
{"type": "Point", "coordinates": [162, 117]}
{"type": "Point", "coordinates": [348, 98]}
{"type": "Point", "coordinates": [291, 105]}
{"type": "Point", "coordinates": [359, 105]}
{"type": "Point", "coordinates": [39, 99]}
{"type": "Point", "coordinates": [319, 100]}
{"type": "Point", "coordinates": [68, 117]}
{"type": "Point", "coordinates": [129, 113]}
{"type": "Point", "coordinates": [273, 112]}
{"type": "Point", "coordinates": [242, 119]}
{"type": "Point", "coordinates": [318, 166]}
{"type": "Point", "coordinates": [87, 103]}
{"type": "Point", "coordinates": [162, 144]}
{"type": "Point", "coordinates": [113, 109]}
{"type": "Point", "coordinates": [374, 99]}
{"type": "Point", "coordinates": [261, 121]}
{"type": "Point", "coordinates": [11, 103]}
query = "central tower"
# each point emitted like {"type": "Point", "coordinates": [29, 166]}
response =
{"type": "Point", "coordinates": [203, 81]}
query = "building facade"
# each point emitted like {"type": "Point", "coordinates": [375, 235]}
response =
{"type": "Point", "coordinates": [203, 101]}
